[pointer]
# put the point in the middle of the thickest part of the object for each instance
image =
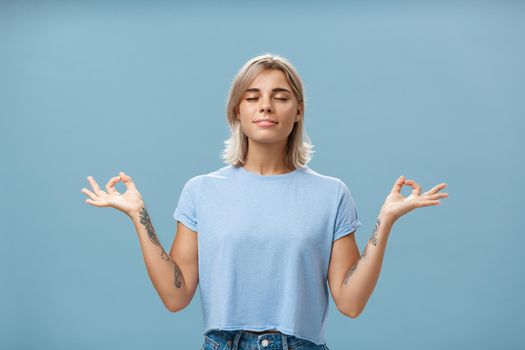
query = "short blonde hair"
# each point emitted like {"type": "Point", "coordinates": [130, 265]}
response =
{"type": "Point", "coordinates": [299, 148]}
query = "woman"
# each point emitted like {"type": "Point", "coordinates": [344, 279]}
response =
{"type": "Point", "coordinates": [271, 231]}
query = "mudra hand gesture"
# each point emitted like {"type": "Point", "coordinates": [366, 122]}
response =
{"type": "Point", "coordinates": [128, 202]}
{"type": "Point", "coordinates": [396, 205]}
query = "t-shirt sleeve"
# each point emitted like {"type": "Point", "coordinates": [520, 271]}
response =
{"type": "Point", "coordinates": [346, 220]}
{"type": "Point", "coordinates": [186, 211]}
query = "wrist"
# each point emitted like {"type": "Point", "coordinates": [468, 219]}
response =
{"type": "Point", "coordinates": [386, 219]}
{"type": "Point", "coordinates": [135, 214]}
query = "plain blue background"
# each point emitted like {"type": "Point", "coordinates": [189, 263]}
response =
{"type": "Point", "coordinates": [433, 91]}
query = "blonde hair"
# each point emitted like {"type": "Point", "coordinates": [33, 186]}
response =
{"type": "Point", "coordinates": [299, 148]}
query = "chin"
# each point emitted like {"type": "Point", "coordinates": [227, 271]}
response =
{"type": "Point", "coordinates": [268, 139]}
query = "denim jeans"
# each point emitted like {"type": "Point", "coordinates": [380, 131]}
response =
{"type": "Point", "coordinates": [242, 340]}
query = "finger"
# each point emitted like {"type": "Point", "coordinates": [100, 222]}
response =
{"type": "Point", "coordinates": [94, 203]}
{"type": "Point", "coordinates": [94, 185]}
{"type": "Point", "coordinates": [89, 193]}
{"type": "Point", "coordinates": [434, 196]}
{"type": "Point", "coordinates": [416, 188]}
{"type": "Point", "coordinates": [127, 180]}
{"type": "Point", "coordinates": [436, 188]}
{"type": "Point", "coordinates": [398, 184]}
{"type": "Point", "coordinates": [428, 202]}
{"type": "Point", "coordinates": [111, 183]}
{"type": "Point", "coordinates": [439, 195]}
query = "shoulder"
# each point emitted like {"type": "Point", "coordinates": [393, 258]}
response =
{"type": "Point", "coordinates": [338, 189]}
{"type": "Point", "coordinates": [322, 179]}
{"type": "Point", "coordinates": [222, 172]}
{"type": "Point", "coordinates": [196, 181]}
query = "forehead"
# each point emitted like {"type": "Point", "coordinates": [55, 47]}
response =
{"type": "Point", "coordinates": [270, 78]}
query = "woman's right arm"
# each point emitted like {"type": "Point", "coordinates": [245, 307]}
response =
{"type": "Point", "coordinates": [174, 290]}
{"type": "Point", "coordinates": [163, 271]}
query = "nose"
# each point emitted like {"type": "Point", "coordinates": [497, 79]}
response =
{"type": "Point", "coordinates": [266, 106]}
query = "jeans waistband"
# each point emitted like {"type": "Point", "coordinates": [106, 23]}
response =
{"type": "Point", "coordinates": [244, 339]}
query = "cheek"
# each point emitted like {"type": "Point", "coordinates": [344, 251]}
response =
{"type": "Point", "coordinates": [289, 109]}
{"type": "Point", "coordinates": [244, 110]}
{"type": "Point", "coordinates": [291, 113]}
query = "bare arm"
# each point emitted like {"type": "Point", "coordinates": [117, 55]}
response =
{"type": "Point", "coordinates": [361, 278]}
{"type": "Point", "coordinates": [174, 276]}
{"type": "Point", "coordinates": [352, 277]}
{"type": "Point", "coordinates": [163, 271]}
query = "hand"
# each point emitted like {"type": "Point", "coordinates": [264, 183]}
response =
{"type": "Point", "coordinates": [129, 202]}
{"type": "Point", "coordinates": [396, 205]}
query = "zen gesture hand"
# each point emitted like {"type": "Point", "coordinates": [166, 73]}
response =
{"type": "Point", "coordinates": [129, 202]}
{"type": "Point", "coordinates": [396, 205]}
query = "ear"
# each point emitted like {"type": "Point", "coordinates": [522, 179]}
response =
{"type": "Point", "coordinates": [299, 112]}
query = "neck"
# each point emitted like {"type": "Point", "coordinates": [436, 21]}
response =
{"type": "Point", "coordinates": [267, 158]}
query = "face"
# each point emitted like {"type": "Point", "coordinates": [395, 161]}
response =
{"type": "Point", "coordinates": [269, 97]}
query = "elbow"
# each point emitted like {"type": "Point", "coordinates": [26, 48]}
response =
{"type": "Point", "coordinates": [173, 310]}
{"type": "Point", "coordinates": [175, 303]}
{"type": "Point", "coordinates": [174, 307]}
{"type": "Point", "coordinates": [351, 312]}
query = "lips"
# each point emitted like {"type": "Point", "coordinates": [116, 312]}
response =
{"type": "Point", "coordinates": [269, 120]}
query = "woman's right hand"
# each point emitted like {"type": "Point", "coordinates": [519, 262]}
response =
{"type": "Point", "coordinates": [129, 203]}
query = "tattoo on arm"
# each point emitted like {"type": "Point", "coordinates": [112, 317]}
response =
{"type": "Point", "coordinates": [364, 251]}
{"type": "Point", "coordinates": [146, 221]}
{"type": "Point", "coordinates": [350, 272]}
{"type": "Point", "coordinates": [164, 256]}
{"type": "Point", "coordinates": [373, 240]}
{"type": "Point", "coordinates": [178, 275]}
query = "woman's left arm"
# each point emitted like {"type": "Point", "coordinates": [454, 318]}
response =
{"type": "Point", "coordinates": [361, 278]}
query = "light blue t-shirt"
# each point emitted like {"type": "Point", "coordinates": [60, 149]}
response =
{"type": "Point", "coordinates": [264, 244]}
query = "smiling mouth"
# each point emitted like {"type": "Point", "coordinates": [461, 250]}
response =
{"type": "Point", "coordinates": [265, 123]}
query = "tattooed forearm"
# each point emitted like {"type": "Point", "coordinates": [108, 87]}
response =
{"type": "Point", "coordinates": [164, 256]}
{"type": "Point", "coordinates": [364, 251]}
{"type": "Point", "coordinates": [145, 220]}
{"type": "Point", "coordinates": [372, 240]}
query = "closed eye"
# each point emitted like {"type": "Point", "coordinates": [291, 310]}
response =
{"type": "Point", "coordinates": [255, 98]}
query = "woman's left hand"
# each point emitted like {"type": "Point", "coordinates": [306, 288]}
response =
{"type": "Point", "coordinates": [396, 205]}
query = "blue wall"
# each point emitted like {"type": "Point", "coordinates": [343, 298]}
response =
{"type": "Point", "coordinates": [433, 91]}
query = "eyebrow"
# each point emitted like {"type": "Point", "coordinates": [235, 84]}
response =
{"type": "Point", "coordinates": [273, 90]}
